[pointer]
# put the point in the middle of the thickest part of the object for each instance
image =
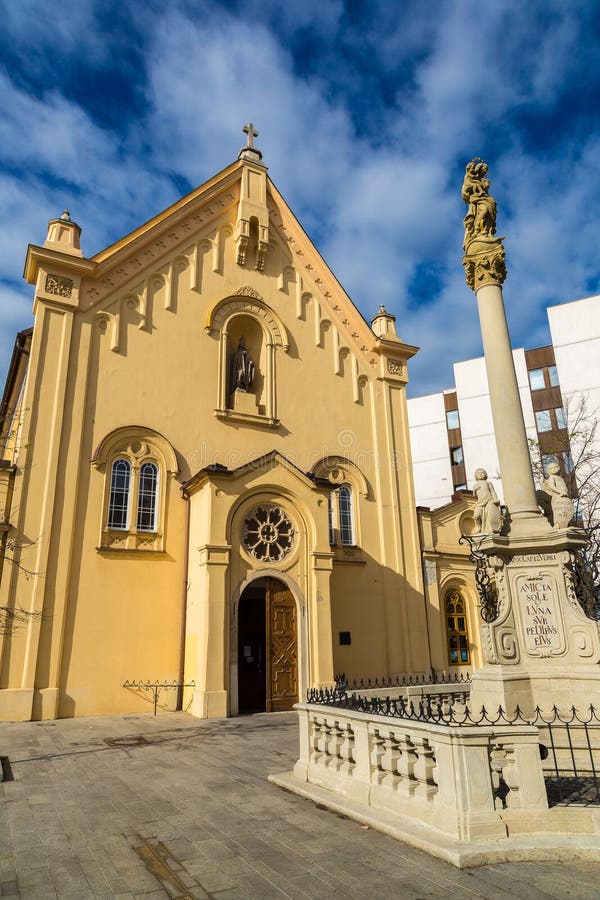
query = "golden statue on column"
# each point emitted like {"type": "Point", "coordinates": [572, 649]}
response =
{"type": "Point", "coordinates": [483, 260]}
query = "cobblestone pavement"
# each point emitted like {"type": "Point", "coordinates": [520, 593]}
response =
{"type": "Point", "coordinates": [136, 806]}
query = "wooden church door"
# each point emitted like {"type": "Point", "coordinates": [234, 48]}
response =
{"type": "Point", "coordinates": [282, 647]}
{"type": "Point", "coordinates": [267, 648]}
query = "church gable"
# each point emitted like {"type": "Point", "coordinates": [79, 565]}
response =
{"type": "Point", "coordinates": [226, 273]}
{"type": "Point", "coordinates": [233, 236]}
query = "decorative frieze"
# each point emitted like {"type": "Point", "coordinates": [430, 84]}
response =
{"type": "Point", "coordinates": [395, 367]}
{"type": "Point", "coordinates": [61, 287]}
{"type": "Point", "coordinates": [247, 291]}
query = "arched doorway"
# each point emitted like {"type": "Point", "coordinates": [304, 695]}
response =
{"type": "Point", "coordinates": [267, 647]}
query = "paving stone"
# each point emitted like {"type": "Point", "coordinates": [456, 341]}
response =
{"type": "Point", "coordinates": [78, 808]}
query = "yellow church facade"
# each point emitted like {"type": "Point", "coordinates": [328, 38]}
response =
{"type": "Point", "coordinates": [207, 475]}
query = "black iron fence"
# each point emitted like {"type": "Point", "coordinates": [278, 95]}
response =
{"type": "Point", "coordinates": [155, 688]}
{"type": "Point", "coordinates": [401, 681]}
{"type": "Point", "coordinates": [570, 750]}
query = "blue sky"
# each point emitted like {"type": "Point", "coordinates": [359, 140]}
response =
{"type": "Point", "coordinates": [367, 112]}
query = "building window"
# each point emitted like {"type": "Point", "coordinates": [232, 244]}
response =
{"type": "Point", "coordinates": [460, 487]}
{"type": "Point", "coordinates": [561, 419]}
{"type": "Point", "coordinates": [347, 486]}
{"type": "Point", "coordinates": [346, 518]}
{"type": "Point", "coordinates": [137, 464]}
{"type": "Point", "coordinates": [118, 506]}
{"type": "Point", "coordinates": [456, 627]}
{"type": "Point", "coordinates": [120, 496]}
{"type": "Point", "coordinates": [536, 379]}
{"type": "Point", "coordinates": [456, 456]}
{"type": "Point", "coordinates": [341, 517]}
{"type": "Point", "coordinates": [543, 420]}
{"type": "Point", "coordinates": [452, 419]}
{"type": "Point", "coordinates": [147, 497]}
{"type": "Point", "coordinates": [546, 377]}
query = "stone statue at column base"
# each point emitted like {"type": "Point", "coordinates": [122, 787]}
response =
{"type": "Point", "coordinates": [488, 519]}
{"type": "Point", "coordinates": [561, 504]}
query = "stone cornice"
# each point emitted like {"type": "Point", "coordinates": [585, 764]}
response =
{"type": "Point", "coordinates": [37, 256]}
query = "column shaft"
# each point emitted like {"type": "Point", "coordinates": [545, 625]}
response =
{"type": "Point", "coordinates": [511, 437]}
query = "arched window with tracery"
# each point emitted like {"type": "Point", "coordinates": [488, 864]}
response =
{"type": "Point", "coordinates": [137, 464]}
{"type": "Point", "coordinates": [456, 629]}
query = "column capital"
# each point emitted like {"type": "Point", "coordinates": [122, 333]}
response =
{"type": "Point", "coordinates": [484, 262]}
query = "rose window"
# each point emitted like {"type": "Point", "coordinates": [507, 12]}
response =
{"type": "Point", "coordinates": [268, 534]}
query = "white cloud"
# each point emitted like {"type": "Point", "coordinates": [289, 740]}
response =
{"type": "Point", "coordinates": [376, 183]}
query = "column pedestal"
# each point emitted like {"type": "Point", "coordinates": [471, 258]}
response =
{"type": "Point", "coordinates": [541, 649]}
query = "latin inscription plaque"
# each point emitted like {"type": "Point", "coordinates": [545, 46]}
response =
{"type": "Point", "coordinates": [539, 612]}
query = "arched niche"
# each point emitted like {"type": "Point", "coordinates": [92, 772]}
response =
{"type": "Point", "coordinates": [245, 330]}
{"type": "Point", "coordinates": [246, 314]}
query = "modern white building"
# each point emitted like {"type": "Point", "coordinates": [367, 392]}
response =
{"type": "Point", "coordinates": [452, 432]}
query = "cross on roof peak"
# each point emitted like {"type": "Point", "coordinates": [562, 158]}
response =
{"type": "Point", "coordinates": [251, 133]}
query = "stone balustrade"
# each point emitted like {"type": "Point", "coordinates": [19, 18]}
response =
{"type": "Point", "coordinates": [469, 782]}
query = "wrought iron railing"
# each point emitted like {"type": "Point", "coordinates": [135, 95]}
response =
{"type": "Point", "coordinates": [401, 681]}
{"type": "Point", "coordinates": [154, 688]}
{"type": "Point", "coordinates": [486, 586]}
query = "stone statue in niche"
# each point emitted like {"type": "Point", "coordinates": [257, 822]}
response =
{"type": "Point", "coordinates": [242, 369]}
{"type": "Point", "coordinates": [555, 486]}
{"type": "Point", "coordinates": [487, 510]}
{"type": "Point", "coordinates": [480, 220]}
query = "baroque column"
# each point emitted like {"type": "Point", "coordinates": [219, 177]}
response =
{"type": "Point", "coordinates": [540, 640]}
{"type": "Point", "coordinates": [485, 268]}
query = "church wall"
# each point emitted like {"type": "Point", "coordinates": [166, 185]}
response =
{"type": "Point", "coordinates": [148, 357]}
{"type": "Point", "coordinates": [125, 616]}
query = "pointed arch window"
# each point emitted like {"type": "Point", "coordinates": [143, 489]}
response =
{"type": "Point", "coordinates": [120, 494]}
{"type": "Point", "coordinates": [456, 629]}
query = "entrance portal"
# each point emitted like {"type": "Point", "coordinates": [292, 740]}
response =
{"type": "Point", "coordinates": [267, 648]}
